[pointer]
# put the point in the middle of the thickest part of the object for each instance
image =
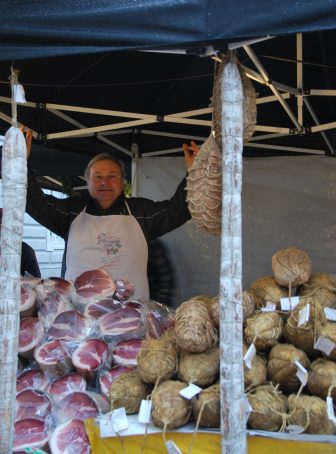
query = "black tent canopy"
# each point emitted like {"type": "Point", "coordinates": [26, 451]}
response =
{"type": "Point", "coordinates": [134, 78]}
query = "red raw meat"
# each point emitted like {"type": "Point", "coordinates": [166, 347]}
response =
{"type": "Point", "coordinates": [124, 289]}
{"type": "Point", "coordinates": [108, 376]}
{"type": "Point", "coordinates": [134, 304]}
{"type": "Point", "coordinates": [32, 403]}
{"type": "Point", "coordinates": [32, 378]}
{"type": "Point", "coordinates": [81, 405]}
{"type": "Point", "coordinates": [89, 356]}
{"type": "Point", "coordinates": [28, 301]}
{"type": "Point", "coordinates": [71, 433]}
{"type": "Point", "coordinates": [69, 325]}
{"type": "Point", "coordinates": [101, 307]}
{"type": "Point", "coordinates": [94, 284]}
{"type": "Point", "coordinates": [65, 385]}
{"type": "Point", "coordinates": [53, 357]}
{"type": "Point", "coordinates": [30, 335]}
{"type": "Point", "coordinates": [125, 353]}
{"type": "Point", "coordinates": [122, 324]}
{"type": "Point", "coordinates": [30, 433]}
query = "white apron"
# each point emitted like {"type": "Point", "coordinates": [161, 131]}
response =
{"type": "Point", "coordinates": [115, 243]}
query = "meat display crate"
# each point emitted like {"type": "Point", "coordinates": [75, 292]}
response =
{"type": "Point", "coordinates": [132, 440]}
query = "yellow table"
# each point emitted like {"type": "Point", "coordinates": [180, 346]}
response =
{"type": "Point", "coordinates": [203, 442]}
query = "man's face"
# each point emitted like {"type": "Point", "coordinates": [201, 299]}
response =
{"type": "Point", "coordinates": [105, 182]}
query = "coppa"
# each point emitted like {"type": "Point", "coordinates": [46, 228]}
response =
{"type": "Point", "coordinates": [104, 230]}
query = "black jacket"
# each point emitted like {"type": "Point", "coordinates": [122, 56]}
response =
{"type": "Point", "coordinates": [154, 218]}
{"type": "Point", "coordinates": [29, 262]}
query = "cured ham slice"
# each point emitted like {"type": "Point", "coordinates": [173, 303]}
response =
{"type": "Point", "coordinates": [90, 356]}
{"type": "Point", "coordinates": [28, 301]}
{"type": "Point", "coordinates": [30, 433]}
{"type": "Point", "coordinates": [32, 378]}
{"type": "Point", "coordinates": [125, 323]}
{"type": "Point", "coordinates": [65, 385]}
{"type": "Point", "coordinates": [97, 309]}
{"type": "Point", "coordinates": [81, 405]}
{"type": "Point", "coordinates": [54, 284]}
{"type": "Point", "coordinates": [53, 358]}
{"type": "Point", "coordinates": [69, 325]}
{"type": "Point", "coordinates": [32, 403]}
{"type": "Point", "coordinates": [125, 353]}
{"type": "Point", "coordinates": [91, 286]}
{"type": "Point", "coordinates": [54, 304]}
{"type": "Point", "coordinates": [71, 433]}
{"type": "Point", "coordinates": [124, 289]}
{"type": "Point", "coordinates": [108, 376]}
{"type": "Point", "coordinates": [30, 335]}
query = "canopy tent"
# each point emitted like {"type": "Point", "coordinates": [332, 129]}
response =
{"type": "Point", "coordinates": [135, 78]}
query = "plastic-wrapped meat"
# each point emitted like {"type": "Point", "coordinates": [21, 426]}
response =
{"type": "Point", "coordinates": [89, 357]}
{"type": "Point", "coordinates": [159, 319]}
{"type": "Point", "coordinates": [81, 405]}
{"type": "Point", "coordinates": [65, 385]}
{"type": "Point", "coordinates": [97, 309]}
{"type": "Point", "coordinates": [30, 335]}
{"type": "Point", "coordinates": [91, 286]}
{"type": "Point", "coordinates": [106, 377]}
{"type": "Point", "coordinates": [32, 403]}
{"type": "Point", "coordinates": [125, 353]}
{"type": "Point", "coordinates": [124, 289]}
{"type": "Point", "coordinates": [54, 358]}
{"type": "Point", "coordinates": [32, 378]}
{"type": "Point", "coordinates": [28, 301]}
{"type": "Point", "coordinates": [54, 304]}
{"type": "Point", "coordinates": [70, 325]}
{"type": "Point", "coordinates": [71, 438]}
{"type": "Point", "coordinates": [125, 323]}
{"type": "Point", "coordinates": [54, 284]}
{"type": "Point", "coordinates": [30, 433]}
{"type": "Point", "coordinates": [135, 304]}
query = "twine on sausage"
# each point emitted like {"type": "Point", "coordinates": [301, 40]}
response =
{"type": "Point", "coordinates": [198, 422]}
{"type": "Point", "coordinates": [149, 397]}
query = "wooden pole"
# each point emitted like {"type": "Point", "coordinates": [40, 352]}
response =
{"type": "Point", "coordinates": [233, 419]}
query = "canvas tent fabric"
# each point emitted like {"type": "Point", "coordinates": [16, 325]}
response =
{"type": "Point", "coordinates": [44, 29]}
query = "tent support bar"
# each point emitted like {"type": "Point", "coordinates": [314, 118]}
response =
{"type": "Point", "coordinates": [99, 136]}
{"type": "Point", "coordinates": [299, 77]}
{"type": "Point", "coordinates": [284, 148]}
{"type": "Point", "coordinates": [162, 152]}
{"type": "Point", "coordinates": [314, 116]}
{"type": "Point", "coordinates": [316, 92]}
{"type": "Point", "coordinates": [324, 127]}
{"type": "Point", "coordinates": [273, 129]}
{"type": "Point", "coordinates": [266, 136]}
{"type": "Point", "coordinates": [267, 99]}
{"type": "Point", "coordinates": [264, 74]}
{"type": "Point", "coordinates": [170, 134]}
{"type": "Point", "coordinates": [192, 113]}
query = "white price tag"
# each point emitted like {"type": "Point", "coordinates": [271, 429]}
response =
{"type": "Point", "coordinates": [145, 411]}
{"type": "Point", "coordinates": [304, 315]}
{"type": "Point", "coordinates": [302, 373]}
{"type": "Point", "coordinates": [106, 428]}
{"type": "Point", "coordinates": [119, 419]}
{"type": "Point", "coordinates": [324, 345]}
{"type": "Point", "coordinates": [19, 94]}
{"type": "Point", "coordinates": [269, 307]}
{"type": "Point", "coordinates": [190, 391]}
{"type": "Point", "coordinates": [330, 314]}
{"type": "Point", "coordinates": [249, 356]}
{"type": "Point", "coordinates": [288, 304]}
{"type": "Point", "coordinates": [294, 429]}
{"type": "Point", "coordinates": [330, 409]}
{"type": "Point", "coordinates": [172, 447]}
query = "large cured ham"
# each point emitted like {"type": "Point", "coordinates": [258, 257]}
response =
{"type": "Point", "coordinates": [81, 405]}
{"type": "Point", "coordinates": [125, 353]}
{"type": "Point", "coordinates": [89, 357]}
{"type": "Point", "coordinates": [28, 301]}
{"type": "Point", "coordinates": [30, 335]}
{"type": "Point", "coordinates": [62, 386]}
{"type": "Point", "coordinates": [91, 286]}
{"type": "Point", "coordinates": [54, 358]}
{"type": "Point", "coordinates": [30, 433]}
{"type": "Point", "coordinates": [32, 403]}
{"type": "Point", "coordinates": [125, 323]}
{"type": "Point", "coordinates": [70, 325]}
{"type": "Point", "coordinates": [106, 378]}
{"type": "Point", "coordinates": [32, 378]}
{"type": "Point", "coordinates": [97, 309]}
{"type": "Point", "coordinates": [70, 434]}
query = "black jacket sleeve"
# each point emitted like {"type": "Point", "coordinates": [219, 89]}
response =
{"type": "Point", "coordinates": [29, 262]}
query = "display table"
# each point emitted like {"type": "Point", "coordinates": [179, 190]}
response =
{"type": "Point", "coordinates": [259, 442]}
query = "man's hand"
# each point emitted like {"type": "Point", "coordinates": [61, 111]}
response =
{"type": "Point", "coordinates": [190, 151]}
{"type": "Point", "coordinates": [28, 133]}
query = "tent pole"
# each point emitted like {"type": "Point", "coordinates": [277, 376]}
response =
{"type": "Point", "coordinates": [299, 78]}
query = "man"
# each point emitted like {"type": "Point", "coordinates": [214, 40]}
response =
{"type": "Point", "coordinates": [104, 230]}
